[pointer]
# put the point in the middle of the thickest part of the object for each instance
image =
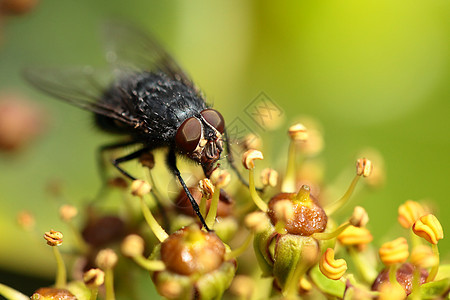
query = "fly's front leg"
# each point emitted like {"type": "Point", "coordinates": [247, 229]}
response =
{"type": "Point", "coordinates": [172, 164]}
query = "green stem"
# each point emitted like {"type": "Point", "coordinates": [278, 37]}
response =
{"type": "Point", "coordinates": [212, 213]}
{"type": "Point", "coordinates": [415, 291]}
{"type": "Point", "coordinates": [238, 251]}
{"type": "Point", "coordinates": [159, 232]}
{"type": "Point", "coordinates": [332, 207]}
{"type": "Point", "coordinates": [94, 293]}
{"type": "Point", "coordinates": [150, 265]}
{"type": "Point", "coordinates": [330, 235]}
{"type": "Point", "coordinates": [61, 276]}
{"type": "Point", "coordinates": [289, 181]}
{"type": "Point", "coordinates": [12, 294]}
{"type": "Point", "coordinates": [109, 284]}
{"type": "Point", "coordinates": [203, 206]}
{"type": "Point", "coordinates": [367, 271]}
{"type": "Point", "coordinates": [393, 274]}
{"type": "Point", "coordinates": [435, 268]}
{"type": "Point", "coordinates": [251, 185]}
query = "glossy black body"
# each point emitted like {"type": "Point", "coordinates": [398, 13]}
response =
{"type": "Point", "coordinates": [156, 102]}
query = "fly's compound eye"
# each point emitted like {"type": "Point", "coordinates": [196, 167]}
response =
{"type": "Point", "coordinates": [188, 135]}
{"type": "Point", "coordinates": [214, 118]}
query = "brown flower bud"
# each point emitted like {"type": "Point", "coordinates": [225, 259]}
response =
{"type": "Point", "coordinates": [220, 178]}
{"type": "Point", "coordinates": [52, 293]}
{"type": "Point", "coordinates": [140, 188]}
{"type": "Point", "coordinates": [206, 188]}
{"type": "Point", "coordinates": [67, 212]}
{"type": "Point", "coordinates": [269, 177]}
{"type": "Point", "coordinates": [363, 167]}
{"type": "Point", "coordinates": [53, 238]}
{"type": "Point", "coordinates": [359, 218]}
{"type": "Point", "coordinates": [94, 278]}
{"type": "Point", "coordinates": [249, 157]}
{"type": "Point", "coordinates": [106, 259]}
{"type": "Point", "coordinates": [132, 245]}
{"type": "Point", "coordinates": [298, 132]}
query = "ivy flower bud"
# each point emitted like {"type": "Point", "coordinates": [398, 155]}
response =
{"type": "Point", "coordinates": [220, 178]}
{"type": "Point", "coordinates": [249, 156]}
{"type": "Point", "coordinates": [363, 167]}
{"type": "Point", "coordinates": [195, 263]}
{"type": "Point", "coordinates": [422, 256]}
{"type": "Point", "coordinates": [132, 245]}
{"type": "Point", "coordinates": [256, 221]}
{"type": "Point", "coordinates": [355, 236]}
{"type": "Point", "coordinates": [242, 286]}
{"type": "Point", "coordinates": [409, 212]}
{"type": "Point", "coordinates": [284, 210]}
{"type": "Point", "coordinates": [359, 218]}
{"type": "Point", "coordinates": [206, 187]}
{"type": "Point", "coordinates": [251, 141]}
{"type": "Point", "coordinates": [52, 293]}
{"type": "Point", "coordinates": [298, 132]}
{"type": "Point", "coordinates": [395, 251]}
{"type": "Point", "coordinates": [429, 228]}
{"type": "Point", "coordinates": [53, 238]}
{"type": "Point", "coordinates": [94, 278]}
{"type": "Point", "coordinates": [391, 291]}
{"type": "Point", "coordinates": [269, 177]}
{"type": "Point", "coordinates": [67, 212]}
{"type": "Point", "coordinates": [140, 188]}
{"type": "Point", "coordinates": [26, 220]}
{"type": "Point", "coordinates": [106, 259]}
{"type": "Point", "coordinates": [330, 267]}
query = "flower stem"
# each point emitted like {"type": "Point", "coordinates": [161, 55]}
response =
{"type": "Point", "coordinates": [159, 232]}
{"type": "Point", "coordinates": [151, 265]}
{"type": "Point", "coordinates": [332, 207]}
{"type": "Point", "coordinates": [61, 276]}
{"type": "Point", "coordinates": [435, 268]}
{"type": "Point", "coordinates": [367, 271]}
{"type": "Point", "coordinates": [251, 185]}
{"type": "Point", "coordinates": [393, 274]}
{"type": "Point", "coordinates": [94, 293]}
{"type": "Point", "coordinates": [10, 293]}
{"type": "Point", "coordinates": [109, 284]}
{"type": "Point", "coordinates": [211, 217]}
{"type": "Point", "coordinates": [289, 181]}
{"type": "Point", "coordinates": [238, 251]}
{"type": "Point", "coordinates": [203, 206]}
{"type": "Point", "coordinates": [330, 235]}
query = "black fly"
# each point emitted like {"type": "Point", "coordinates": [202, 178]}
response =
{"type": "Point", "coordinates": [146, 96]}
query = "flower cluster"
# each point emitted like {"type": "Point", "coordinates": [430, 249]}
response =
{"type": "Point", "coordinates": [300, 249]}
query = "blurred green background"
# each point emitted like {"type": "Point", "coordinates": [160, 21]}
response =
{"type": "Point", "coordinates": [374, 73]}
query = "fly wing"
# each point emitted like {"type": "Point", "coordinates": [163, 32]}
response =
{"type": "Point", "coordinates": [82, 87]}
{"type": "Point", "coordinates": [130, 49]}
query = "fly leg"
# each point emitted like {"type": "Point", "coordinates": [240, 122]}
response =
{"type": "Point", "coordinates": [172, 164]}
{"type": "Point", "coordinates": [101, 156]}
{"type": "Point", "coordinates": [128, 157]}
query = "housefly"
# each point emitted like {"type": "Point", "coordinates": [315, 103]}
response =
{"type": "Point", "coordinates": [147, 97]}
